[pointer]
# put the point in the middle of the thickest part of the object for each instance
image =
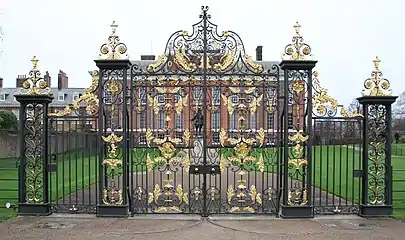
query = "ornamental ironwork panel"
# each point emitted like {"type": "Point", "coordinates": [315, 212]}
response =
{"type": "Point", "coordinates": [203, 127]}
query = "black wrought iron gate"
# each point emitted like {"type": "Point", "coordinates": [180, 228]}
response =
{"type": "Point", "coordinates": [205, 129]}
{"type": "Point", "coordinates": [203, 79]}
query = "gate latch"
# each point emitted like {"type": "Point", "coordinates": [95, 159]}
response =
{"type": "Point", "coordinates": [205, 169]}
{"type": "Point", "coordinates": [358, 173]}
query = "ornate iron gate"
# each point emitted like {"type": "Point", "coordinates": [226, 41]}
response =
{"type": "Point", "coordinates": [231, 165]}
{"type": "Point", "coordinates": [205, 129]}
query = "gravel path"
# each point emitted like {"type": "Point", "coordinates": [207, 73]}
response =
{"type": "Point", "coordinates": [88, 227]}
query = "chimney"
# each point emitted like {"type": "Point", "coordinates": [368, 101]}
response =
{"type": "Point", "coordinates": [147, 57]}
{"type": "Point", "coordinates": [20, 79]}
{"type": "Point", "coordinates": [47, 78]}
{"type": "Point", "coordinates": [1, 82]}
{"type": "Point", "coordinates": [259, 53]}
{"type": "Point", "coordinates": [62, 80]}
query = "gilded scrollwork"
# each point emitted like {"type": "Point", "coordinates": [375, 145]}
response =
{"type": "Point", "coordinates": [168, 153]}
{"type": "Point", "coordinates": [159, 62]}
{"type": "Point", "coordinates": [255, 66]}
{"type": "Point", "coordinates": [252, 105]}
{"type": "Point", "coordinates": [35, 84]}
{"type": "Point", "coordinates": [297, 159]}
{"type": "Point", "coordinates": [113, 161]}
{"type": "Point", "coordinates": [243, 199]}
{"type": "Point", "coordinates": [112, 193]}
{"type": "Point", "coordinates": [89, 96]}
{"type": "Point", "coordinates": [377, 154]}
{"type": "Point", "coordinates": [377, 85]}
{"type": "Point", "coordinates": [226, 60]}
{"type": "Point", "coordinates": [297, 197]}
{"type": "Point", "coordinates": [298, 140]}
{"type": "Point", "coordinates": [178, 106]}
{"type": "Point", "coordinates": [34, 166]}
{"type": "Point", "coordinates": [182, 60]}
{"type": "Point", "coordinates": [325, 105]}
{"type": "Point", "coordinates": [114, 49]}
{"type": "Point", "coordinates": [298, 50]}
{"type": "Point", "coordinates": [242, 151]}
{"type": "Point", "coordinates": [224, 52]}
{"type": "Point", "coordinates": [168, 198]}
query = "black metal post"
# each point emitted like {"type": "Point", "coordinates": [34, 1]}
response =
{"type": "Point", "coordinates": [113, 199]}
{"type": "Point", "coordinates": [100, 144]}
{"type": "Point", "coordinates": [205, 16]}
{"type": "Point", "coordinates": [33, 170]}
{"type": "Point", "coordinates": [293, 207]}
{"type": "Point", "coordinates": [377, 175]}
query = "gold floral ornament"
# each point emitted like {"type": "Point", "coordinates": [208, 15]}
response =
{"type": "Point", "coordinates": [112, 194]}
{"type": "Point", "coordinates": [113, 49]}
{"type": "Point", "coordinates": [298, 50]}
{"type": "Point", "coordinates": [376, 85]}
{"type": "Point", "coordinates": [242, 148]}
{"type": "Point", "coordinates": [173, 198]}
{"type": "Point", "coordinates": [168, 153]}
{"type": "Point", "coordinates": [113, 160]}
{"type": "Point", "coordinates": [35, 84]}
{"type": "Point", "coordinates": [298, 158]}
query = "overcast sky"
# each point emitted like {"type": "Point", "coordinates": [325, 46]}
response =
{"type": "Point", "coordinates": [345, 35]}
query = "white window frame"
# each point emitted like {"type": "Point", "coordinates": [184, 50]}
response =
{"type": "Point", "coordinates": [252, 121]}
{"type": "Point", "coordinates": [216, 92]}
{"type": "Point", "coordinates": [142, 119]}
{"type": "Point", "coordinates": [61, 96]}
{"type": "Point", "coordinates": [2, 97]}
{"type": "Point", "coordinates": [235, 99]}
{"type": "Point", "coordinates": [233, 121]}
{"type": "Point", "coordinates": [107, 97]}
{"type": "Point", "coordinates": [216, 120]}
{"type": "Point", "coordinates": [270, 120]}
{"type": "Point", "coordinates": [161, 120]}
{"type": "Point", "coordinates": [75, 96]}
{"type": "Point", "coordinates": [197, 91]}
{"type": "Point", "coordinates": [142, 95]}
{"type": "Point", "coordinates": [178, 123]}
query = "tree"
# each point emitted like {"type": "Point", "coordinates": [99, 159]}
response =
{"type": "Point", "coordinates": [350, 127]}
{"type": "Point", "coordinates": [8, 120]}
{"type": "Point", "coordinates": [355, 107]}
{"type": "Point", "coordinates": [398, 113]}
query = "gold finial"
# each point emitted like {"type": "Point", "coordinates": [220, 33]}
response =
{"type": "Point", "coordinates": [376, 85]}
{"type": "Point", "coordinates": [376, 62]}
{"type": "Point", "coordinates": [297, 28]}
{"type": "Point", "coordinates": [35, 84]}
{"type": "Point", "coordinates": [113, 49]}
{"type": "Point", "coordinates": [113, 28]}
{"type": "Point", "coordinates": [34, 61]}
{"type": "Point", "coordinates": [297, 50]}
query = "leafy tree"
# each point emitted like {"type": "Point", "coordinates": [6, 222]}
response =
{"type": "Point", "coordinates": [8, 121]}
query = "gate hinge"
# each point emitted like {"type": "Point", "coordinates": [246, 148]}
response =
{"type": "Point", "coordinates": [205, 169]}
{"type": "Point", "coordinates": [358, 173]}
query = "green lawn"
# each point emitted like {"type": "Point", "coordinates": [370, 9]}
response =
{"type": "Point", "coordinates": [8, 186]}
{"type": "Point", "coordinates": [398, 149]}
{"type": "Point", "coordinates": [74, 170]}
{"type": "Point", "coordinates": [333, 172]}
